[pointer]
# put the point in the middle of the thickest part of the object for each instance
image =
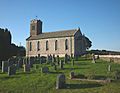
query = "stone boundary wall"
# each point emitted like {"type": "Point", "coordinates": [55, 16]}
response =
{"type": "Point", "coordinates": [110, 58]}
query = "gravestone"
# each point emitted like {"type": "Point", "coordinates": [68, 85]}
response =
{"type": "Point", "coordinates": [5, 65]}
{"type": "Point", "coordinates": [58, 60]}
{"type": "Point", "coordinates": [31, 62]}
{"type": "Point", "coordinates": [72, 75]}
{"type": "Point", "coordinates": [65, 59]}
{"type": "Point", "coordinates": [60, 83]}
{"type": "Point", "coordinates": [55, 67]}
{"type": "Point", "coordinates": [109, 68]}
{"type": "Point", "coordinates": [26, 67]}
{"type": "Point", "coordinates": [11, 61]}
{"type": "Point", "coordinates": [61, 64]}
{"type": "Point", "coordinates": [72, 62]}
{"type": "Point", "coordinates": [45, 70]}
{"type": "Point", "coordinates": [11, 70]}
{"type": "Point", "coordinates": [93, 58]}
{"type": "Point", "coordinates": [53, 59]}
{"type": "Point", "coordinates": [20, 62]}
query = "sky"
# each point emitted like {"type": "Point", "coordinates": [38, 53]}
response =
{"type": "Point", "coordinates": [99, 20]}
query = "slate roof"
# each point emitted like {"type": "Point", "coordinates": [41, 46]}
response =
{"type": "Point", "coordinates": [57, 34]}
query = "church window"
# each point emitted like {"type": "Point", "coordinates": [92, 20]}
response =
{"type": "Point", "coordinates": [46, 45]}
{"type": "Point", "coordinates": [30, 46]}
{"type": "Point", "coordinates": [66, 44]}
{"type": "Point", "coordinates": [55, 44]}
{"type": "Point", "coordinates": [38, 46]}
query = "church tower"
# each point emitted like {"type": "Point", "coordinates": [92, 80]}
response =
{"type": "Point", "coordinates": [35, 27]}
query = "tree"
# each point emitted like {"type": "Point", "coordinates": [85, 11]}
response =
{"type": "Point", "coordinates": [87, 42]}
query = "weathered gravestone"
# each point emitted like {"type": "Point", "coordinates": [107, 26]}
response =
{"type": "Point", "coordinates": [61, 64]}
{"type": "Point", "coordinates": [11, 70]}
{"type": "Point", "coordinates": [5, 65]}
{"type": "Point", "coordinates": [109, 68]}
{"type": "Point", "coordinates": [72, 62]}
{"type": "Point", "coordinates": [72, 74]}
{"type": "Point", "coordinates": [53, 59]}
{"type": "Point", "coordinates": [26, 67]}
{"type": "Point", "coordinates": [60, 83]}
{"type": "Point", "coordinates": [45, 70]}
{"type": "Point", "coordinates": [58, 60]}
{"type": "Point", "coordinates": [65, 59]}
{"type": "Point", "coordinates": [93, 58]}
{"type": "Point", "coordinates": [31, 60]}
{"type": "Point", "coordinates": [20, 62]}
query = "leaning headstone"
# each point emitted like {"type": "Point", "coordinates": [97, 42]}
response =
{"type": "Point", "coordinates": [45, 70]}
{"type": "Point", "coordinates": [109, 68]}
{"type": "Point", "coordinates": [11, 70]}
{"type": "Point", "coordinates": [61, 64]}
{"type": "Point", "coordinates": [5, 65]}
{"type": "Point", "coordinates": [72, 75]}
{"type": "Point", "coordinates": [60, 83]}
{"type": "Point", "coordinates": [93, 58]}
{"type": "Point", "coordinates": [26, 67]}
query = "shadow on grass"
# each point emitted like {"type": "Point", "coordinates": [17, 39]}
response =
{"type": "Point", "coordinates": [82, 86]}
{"type": "Point", "coordinates": [72, 68]}
{"type": "Point", "coordinates": [55, 72]}
{"type": "Point", "coordinates": [9, 77]}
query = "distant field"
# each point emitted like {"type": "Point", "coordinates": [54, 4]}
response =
{"type": "Point", "coordinates": [37, 82]}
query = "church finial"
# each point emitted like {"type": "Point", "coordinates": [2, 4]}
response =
{"type": "Point", "coordinates": [78, 28]}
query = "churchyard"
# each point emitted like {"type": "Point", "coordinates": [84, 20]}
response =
{"type": "Point", "coordinates": [59, 75]}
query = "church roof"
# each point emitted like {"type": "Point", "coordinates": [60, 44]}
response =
{"type": "Point", "coordinates": [57, 34]}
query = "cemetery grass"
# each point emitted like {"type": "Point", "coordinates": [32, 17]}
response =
{"type": "Point", "coordinates": [37, 82]}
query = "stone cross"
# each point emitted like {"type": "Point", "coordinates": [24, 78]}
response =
{"type": "Point", "coordinates": [60, 83]}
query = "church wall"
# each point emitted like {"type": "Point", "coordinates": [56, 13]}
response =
{"type": "Point", "coordinates": [51, 45]}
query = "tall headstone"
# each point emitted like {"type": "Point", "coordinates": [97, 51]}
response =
{"type": "Point", "coordinates": [66, 58]}
{"type": "Point", "coordinates": [5, 65]}
{"type": "Point", "coordinates": [93, 58]}
{"type": "Point", "coordinates": [11, 70]}
{"type": "Point", "coordinates": [60, 83]}
{"type": "Point", "coordinates": [26, 67]}
{"type": "Point", "coordinates": [58, 60]}
{"type": "Point", "coordinates": [61, 64]}
{"type": "Point", "coordinates": [109, 68]}
{"type": "Point", "coordinates": [72, 62]}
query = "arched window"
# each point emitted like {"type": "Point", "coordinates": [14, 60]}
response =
{"type": "Point", "coordinates": [38, 46]}
{"type": "Point", "coordinates": [46, 45]}
{"type": "Point", "coordinates": [66, 44]}
{"type": "Point", "coordinates": [30, 46]}
{"type": "Point", "coordinates": [55, 44]}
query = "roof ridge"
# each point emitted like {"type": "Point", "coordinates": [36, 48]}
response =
{"type": "Point", "coordinates": [61, 31]}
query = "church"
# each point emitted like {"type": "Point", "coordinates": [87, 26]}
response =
{"type": "Point", "coordinates": [39, 43]}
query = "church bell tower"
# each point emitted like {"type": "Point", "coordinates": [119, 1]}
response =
{"type": "Point", "coordinates": [35, 27]}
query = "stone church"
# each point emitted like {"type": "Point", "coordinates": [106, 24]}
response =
{"type": "Point", "coordinates": [39, 43]}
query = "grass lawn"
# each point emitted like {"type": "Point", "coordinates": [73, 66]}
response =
{"type": "Point", "coordinates": [37, 82]}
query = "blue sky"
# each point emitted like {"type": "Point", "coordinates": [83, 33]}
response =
{"type": "Point", "coordinates": [99, 20]}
